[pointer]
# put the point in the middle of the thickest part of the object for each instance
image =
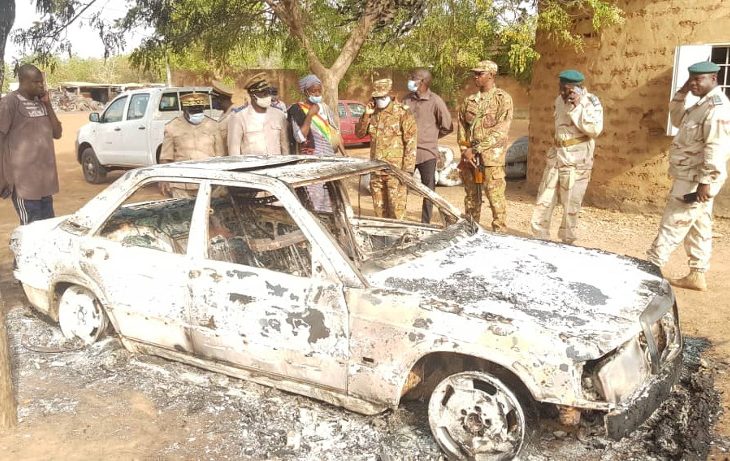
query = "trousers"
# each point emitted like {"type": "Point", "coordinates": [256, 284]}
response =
{"type": "Point", "coordinates": [389, 196]}
{"type": "Point", "coordinates": [493, 188]}
{"type": "Point", "coordinates": [568, 185]}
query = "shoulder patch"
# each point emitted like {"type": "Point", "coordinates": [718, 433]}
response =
{"type": "Point", "coordinates": [594, 100]}
{"type": "Point", "coordinates": [717, 100]}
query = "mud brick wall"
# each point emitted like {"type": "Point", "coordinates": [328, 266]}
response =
{"type": "Point", "coordinates": [629, 67]}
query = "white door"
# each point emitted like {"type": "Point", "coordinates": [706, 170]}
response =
{"type": "Point", "coordinates": [109, 132]}
{"type": "Point", "coordinates": [260, 299]}
{"type": "Point", "coordinates": [685, 56]}
{"type": "Point", "coordinates": [134, 148]}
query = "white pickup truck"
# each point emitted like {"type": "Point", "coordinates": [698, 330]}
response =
{"type": "Point", "coordinates": [128, 134]}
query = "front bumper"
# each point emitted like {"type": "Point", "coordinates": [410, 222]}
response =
{"type": "Point", "coordinates": [631, 413]}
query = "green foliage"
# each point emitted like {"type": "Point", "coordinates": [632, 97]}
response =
{"type": "Point", "coordinates": [556, 18]}
{"type": "Point", "coordinates": [116, 69]}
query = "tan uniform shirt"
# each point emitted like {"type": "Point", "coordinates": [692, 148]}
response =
{"type": "Point", "coordinates": [249, 133]}
{"type": "Point", "coordinates": [699, 151]}
{"type": "Point", "coordinates": [483, 125]}
{"type": "Point", "coordinates": [223, 127]}
{"type": "Point", "coordinates": [28, 158]}
{"type": "Point", "coordinates": [185, 141]}
{"type": "Point", "coordinates": [576, 128]}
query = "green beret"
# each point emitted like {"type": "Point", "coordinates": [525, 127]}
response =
{"type": "Point", "coordinates": [704, 67]}
{"type": "Point", "coordinates": [571, 76]}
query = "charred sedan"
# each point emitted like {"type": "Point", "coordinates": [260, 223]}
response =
{"type": "Point", "coordinates": [277, 270]}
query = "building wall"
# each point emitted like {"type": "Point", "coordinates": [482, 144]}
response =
{"type": "Point", "coordinates": [629, 68]}
{"type": "Point", "coordinates": [356, 87]}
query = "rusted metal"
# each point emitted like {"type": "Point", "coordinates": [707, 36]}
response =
{"type": "Point", "coordinates": [569, 416]}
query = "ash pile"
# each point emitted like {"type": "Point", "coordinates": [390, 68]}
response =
{"type": "Point", "coordinates": [64, 101]}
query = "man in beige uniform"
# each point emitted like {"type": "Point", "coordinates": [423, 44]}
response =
{"type": "Point", "coordinates": [578, 121]}
{"type": "Point", "coordinates": [191, 136]}
{"type": "Point", "coordinates": [697, 163]}
{"type": "Point", "coordinates": [222, 100]}
{"type": "Point", "coordinates": [258, 128]}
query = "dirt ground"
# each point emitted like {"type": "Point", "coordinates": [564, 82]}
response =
{"type": "Point", "coordinates": [105, 403]}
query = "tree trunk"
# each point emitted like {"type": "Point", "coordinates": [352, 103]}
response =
{"type": "Point", "coordinates": [8, 407]}
{"type": "Point", "coordinates": [330, 88]}
{"type": "Point", "coordinates": [7, 19]}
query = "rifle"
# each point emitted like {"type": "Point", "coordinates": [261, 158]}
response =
{"type": "Point", "coordinates": [477, 170]}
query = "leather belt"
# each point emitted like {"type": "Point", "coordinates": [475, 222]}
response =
{"type": "Point", "coordinates": [571, 141]}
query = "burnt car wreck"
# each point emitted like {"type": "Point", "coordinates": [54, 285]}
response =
{"type": "Point", "coordinates": [276, 270]}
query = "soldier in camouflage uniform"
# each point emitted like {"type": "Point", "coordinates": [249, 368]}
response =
{"type": "Point", "coordinates": [484, 121]}
{"type": "Point", "coordinates": [392, 130]}
{"type": "Point", "coordinates": [698, 165]}
{"type": "Point", "coordinates": [191, 136]}
{"type": "Point", "coordinates": [578, 121]}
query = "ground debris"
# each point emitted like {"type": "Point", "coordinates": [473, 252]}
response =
{"type": "Point", "coordinates": [205, 415]}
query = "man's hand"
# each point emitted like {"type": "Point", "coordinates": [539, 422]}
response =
{"type": "Point", "coordinates": [468, 155]}
{"type": "Point", "coordinates": [703, 193]}
{"type": "Point", "coordinates": [313, 110]}
{"type": "Point", "coordinates": [575, 95]}
{"type": "Point", "coordinates": [685, 87]}
{"type": "Point", "coordinates": [370, 108]}
{"type": "Point", "coordinates": [45, 98]}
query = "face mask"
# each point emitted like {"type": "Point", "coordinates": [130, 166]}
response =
{"type": "Point", "coordinates": [382, 103]}
{"type": "Point", "coordinates": [315, 99]}
{"type": "Point", "coordinates": [263, 102]}
{"type": "Point", "coordinates": [412, 86]}
{"type": "Point", "coordinates": [196, 119]}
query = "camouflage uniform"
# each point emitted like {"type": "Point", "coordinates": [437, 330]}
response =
{"type": "Point", "coordinates": [393, 139]}
{"type": "Point", "coordinates": [484, 122]}
{"type": "Point", "coordinates": [698, 155]}
{"type": "Point", "coordinates": [569, 163]}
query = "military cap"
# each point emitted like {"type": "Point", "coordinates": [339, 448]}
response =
{"type": "Point", "coordinates": [571, 76]}
{"type": "Point", "coordinates": [221, 88]}
{"type": "Point", "coordinates": [382, 87]}
{"type": "Point", "coordinates": [486, 66]}
{"type": "Point", "coordinates": [257, 83]}
{"type": "Point", "coordinates": [194, 99]}
{"type": "Point", "coordinates": [704, 67]}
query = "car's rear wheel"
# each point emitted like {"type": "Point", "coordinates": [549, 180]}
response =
{"type": "Point", "coordinates": [94, 173]}
{"type": "Point", "coordinates": [474, 416]}
{"type": "Point", "coordinates": [80, 315]}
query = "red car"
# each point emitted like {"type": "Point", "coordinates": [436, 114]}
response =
{"type": "Point", "coordinates": [350, 112]}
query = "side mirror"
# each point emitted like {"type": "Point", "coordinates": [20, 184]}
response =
{"type": "Point", "coordinates": [94, 117]}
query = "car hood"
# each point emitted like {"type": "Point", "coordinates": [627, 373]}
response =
{"type": "Point", "coordinates": [565, 291]}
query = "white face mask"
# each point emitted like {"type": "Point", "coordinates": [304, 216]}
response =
{"type": "Point", "coordinates": [263, 102]}
{"type": "Point", "coordinates": [412, 86]}
{"type": "Point", "coordinates": [315, 99]}
{"type": "Point", "coordinates": [382, 103]}
{"type": "Point", "coordinates": [196, 119]}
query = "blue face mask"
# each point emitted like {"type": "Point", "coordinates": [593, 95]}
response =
{"type": "Point", "coordinates": [196, 119]}
{"type": "Point", "coordinates": [412, 86]}
{"type": "Point", "coordinates": [315, 99]}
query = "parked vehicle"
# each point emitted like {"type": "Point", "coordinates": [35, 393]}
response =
{"type": "Point", "coordinates": [279, 272]}
{"type": "Point", "coordinates": [350, 113]}
{"type": "Point", "coordinates": [128, 133]}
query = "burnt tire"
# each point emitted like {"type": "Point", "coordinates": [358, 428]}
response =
{"type": "Point", "coordinates": [94, 172]}
{"type": "Point", "coordinates": [80, 315]}
{"type": "Point", "coordinates": [475, 416]}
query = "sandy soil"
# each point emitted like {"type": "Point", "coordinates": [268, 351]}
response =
{"type": "Point", "coordinates": [105, 403]}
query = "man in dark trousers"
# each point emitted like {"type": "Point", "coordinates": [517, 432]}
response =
{"type": "Point", "coordinates": [28, 126]}
{"type": "Point", "coordinates": [433, 121]}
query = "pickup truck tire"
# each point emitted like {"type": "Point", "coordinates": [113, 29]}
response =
{"type": "Point", "coordinates": [94, 173]}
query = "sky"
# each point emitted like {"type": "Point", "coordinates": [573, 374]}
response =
{"type": "Point", "coordinates": [84, 41]}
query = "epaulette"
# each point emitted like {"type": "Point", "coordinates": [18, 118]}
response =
{"type": "Point", "coordinates": [717, 100]}
{"type": "Point", "coordinates": [594, 100]}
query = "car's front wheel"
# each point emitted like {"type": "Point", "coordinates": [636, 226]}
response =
{"type": "Point", "coordinates": [474, 416]}
{"type": "Point", "coordinates": [94, 173]}
{"type": "Point", "coordinates": [80, 315]}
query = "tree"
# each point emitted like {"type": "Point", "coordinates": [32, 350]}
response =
{"type": "Point", "coordinates": [7, 19]}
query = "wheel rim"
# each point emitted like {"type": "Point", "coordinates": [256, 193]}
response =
{"type": "Point", "coordinates": [81, 316]}
{"type": "Point", "coordinates": [90, 167]}
{"type": "Point", "coordinates": [474, 416]}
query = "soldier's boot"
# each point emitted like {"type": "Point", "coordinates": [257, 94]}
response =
{"type": "Point", "coordinates": [695, 280]}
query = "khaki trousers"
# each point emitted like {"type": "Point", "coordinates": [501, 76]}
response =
{"type": "Point", "coordinates": [568, 185]}
{"type": "Point", "coordinates": [389, 196]}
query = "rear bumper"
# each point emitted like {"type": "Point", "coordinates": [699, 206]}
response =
{"type": "Point", "coordinates": [629, 415]}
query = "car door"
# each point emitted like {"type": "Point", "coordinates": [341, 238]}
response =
{"type": "Point", "coordinates": [137, 257]}
{"type": "Point", "coordinates": [134, 148]}
{"type": "Point", "coordinates": [109, 133]}
{"type": "Point", "coordinates": [261, 296]}
{"type": "Point", "coordinates": [347, 127]}
{"type": "Point", "coordinates": [356, 111]}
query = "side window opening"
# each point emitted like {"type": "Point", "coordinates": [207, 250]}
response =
{"type": "Point", "coordinates": [251, 227]}
{"type": "Point", "coordinates": [115, 111]}
{"type": "Point", "coordinates": [150, 219]}
{"type": "Point", "coordinates": [169, 102]}
{"type": "Point", "coordinates": [137, 106]}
